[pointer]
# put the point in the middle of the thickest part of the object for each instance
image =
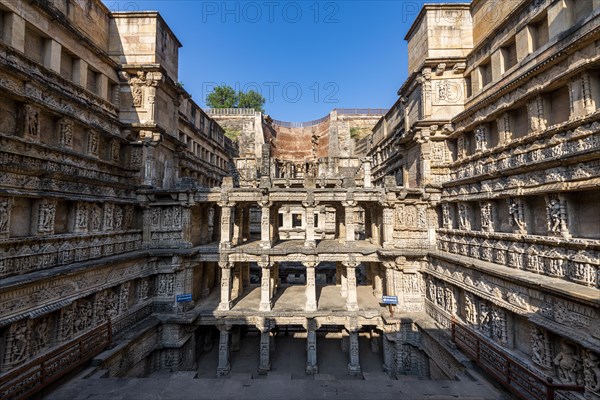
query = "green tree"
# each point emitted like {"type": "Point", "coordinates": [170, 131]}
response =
{"type": "Point", "coordinates": [222, 97]}
{"type": "Point", "coordinates": [251, 99]}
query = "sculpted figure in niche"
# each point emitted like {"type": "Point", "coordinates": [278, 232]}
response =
{"type": "Point", "coordinates": [46, 217]}
{"type": "Point", "coordinates": [515, 217]}
{"type": "Point", "coordinates": [446, 216]}
{"type": "Point", "coordinates": [592, 372]}
{"type": "Point", "coordinates": [568, 363]}
{"type": "Point", "coordinates": [40, 335]}
{"type": "Point", "coordinates": [95, 218]}
{"type": "Point", "coordinates": [4, 215]}
{"type": "Point", "coordinates": [554, 215]}
{"type": "Point", "coordinates": [538, 353]}
{"type": "Point", "coordinates": [480, 140]}
{"type": "Point", "coordinates": [20, 345]}
{"type": "Point", "coordinates": [66, 133]}
{"type": "Point", "coordinates": [32, 119]}
{"type": "Point", "coordinates": [463, 215]}
{"type": "Point", "coordinates": [470, 309]}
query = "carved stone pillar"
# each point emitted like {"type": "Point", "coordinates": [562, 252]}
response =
{"type": "Point", "coordinates": [237, 225]}
{"type": "Point", "coordinates": [246, 274]}
{"type": "Point", "coordinates": [224, 367]}
{"type": "Point", "coordinates": [351, 297]}
{"type": "Point", "coordinates": [274, 279]}
{"type": "Point", "coordinates": [225, 225]}
{"type": "Point", "coordinates": [265, 287]}
{"type": "Point", "coordinates": [536, 114]}
{"type": "Point", "coordinates": [226, 302]}
{"type": "Point", "coordinates": [388, 227]}
{"type": "Point", "coordinates": [237, 287]}
{"type": "Point", "coordinates": [375, 239]}
{"type": "Point", "coordinates": [343, 281]}
{"type": "Point", "coordinates": [504, 127]}
{"type": "Point", "coordinates": [340, 217]}
{"type": "Point", "coordinates": [390, 282]}
{"type": "Point", "coordinates": [246, 224]}
{"type": "Point", "coordinates": [377, 282]}
{"type": "Point", "coordinates": [349, 210]}
{"type": "Point", "coordinates": [265, 225]}
{"type": "Point", "coordinates": [366, 164]}
{"type": "Point", "coordinates": [309, 240]}
{"type": "Point", "coordinates": [311, 287]}
{"type": "Point", "coordinates": [354, 362]}
{"type": "Point", "coordinates": [311, 347]}
{"type": "Point", "coordinates": [264, 365]}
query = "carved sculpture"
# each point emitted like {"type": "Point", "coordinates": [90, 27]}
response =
{"type": "Point", "coordinates": [568, 364]}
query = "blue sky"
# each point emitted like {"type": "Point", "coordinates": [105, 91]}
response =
{"type": "Point", "coordinates": [305, 57]}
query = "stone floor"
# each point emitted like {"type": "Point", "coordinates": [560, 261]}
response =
{"type": "Point", "coordinates": [286, 380]}
{"type": "Point", "coordinates": [293, 298]}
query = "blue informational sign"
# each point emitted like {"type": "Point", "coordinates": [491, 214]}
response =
{"type": "Point", "coordinates": [390, 300]}
{"type": "Point", "coordinates": [182, 298]}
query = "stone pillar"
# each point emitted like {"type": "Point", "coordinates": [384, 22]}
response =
{"type": "Point", "coordinates": [354, 363]}
{"type": "Point", "coordinates": [264, 365]}
{"type": "Point", "coordinates": [205, 289]}
{"type": "Point", "coordinates": [341, 219]}
{"type": "Point", "coordinates": [237, 225]}
{"type": "Point", "coordinates": [265, 287]}
{"type": "Point", "coordinates": [366, 163]}
{"type": "Point", "coordinates": [310, 241]}
{"type": "Point", "coordinates": [52, 55]}
{"type": "Point", "coordinates": [311, 287]}
{"type": "Point", "coordinates": [225, 225]}
{"type": "Point", "coordinates": [390, 285]}
{"type": "Point", "coordinates": [224, 367]}
{"type": "Point", "coordinates": [245, 224]}
{"type": "Point", "coordinates": [246, 274]}
{"type": "Point", "coordinates": [351, 296]}
{"type": "Point", "coordinates": [274, 279]}
{"type": "Point", "coordinates": [80, 72]}
{"type": "Point", "coordinates": [237, 288]}
{"type": "Point", "coordinates": [311, 347]}
{"type": "Point", "coordinates": [226, 302]}
{"type": "Point", "coordinates": [265, 226]}
{"type": "Point", "coordinates": [377, 282]}
{"type": "Point", "coordinates": [14, 31]}
{"type": "Point", "coordinates": [274, 225]}
{"type": "Point", "coordinates": [344, 281]}
{"type": "Point", "coordinates": [388, 227]}
{"type": "Point", "coordinates": [349, 209]}
{"type": "Point", "coordinates": [375, 239]}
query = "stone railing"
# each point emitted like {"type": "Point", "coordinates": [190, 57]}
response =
{"type": "Point", "coordinates": [574, 260]}
{"type": "Point", "coordinates": [31, 254]}
{"type": "Point", "coordinates": [230, 111]}
{"type": "Point", "coordinates": [584, 139]}
{"type": "Point", "coordinates": [306, 124]}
